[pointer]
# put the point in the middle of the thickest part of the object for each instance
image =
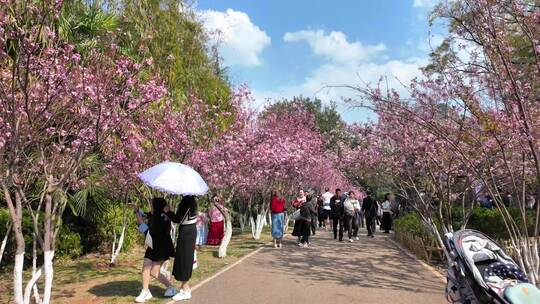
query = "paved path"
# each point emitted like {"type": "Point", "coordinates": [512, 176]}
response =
{"type": "Point", "coordinates": [367, 271]}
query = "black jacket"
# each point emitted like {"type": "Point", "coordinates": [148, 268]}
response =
{"type": "Point", "coordinates": [307, 211]}
{"type": "Point", "coordinates": [336, 206]}
{"type": "Point", "coordinates": [369, 206]}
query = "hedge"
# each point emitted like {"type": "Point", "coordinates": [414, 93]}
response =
{"type": "Point", "coordinates": [488, 221]}
{"type": "Point", "coordinates": [76, 237]}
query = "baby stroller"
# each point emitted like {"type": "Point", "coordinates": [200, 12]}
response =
{"type": "Point", "coordinates": [481, 272]}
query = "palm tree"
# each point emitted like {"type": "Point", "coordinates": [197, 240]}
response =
{"type": "Point", "coordinates": [87, 25]}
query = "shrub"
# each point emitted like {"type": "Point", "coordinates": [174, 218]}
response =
{"type": "Point", "coordinates": [111, 219]}
{"type": "Point", "coordinates": [488, 221]}
{"type": "Point", "coordinates": [412, 223]}
{"type": "Point", "coordinates": [68, 244]}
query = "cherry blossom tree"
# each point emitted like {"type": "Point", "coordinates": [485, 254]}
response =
{"type": "Point", "coordinates": [474, 113]}
{"type": "Point", "coordinates": [57, 110]}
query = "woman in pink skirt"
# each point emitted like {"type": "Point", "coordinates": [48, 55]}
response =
{"type": "Point", "coordinates": [216, 231]}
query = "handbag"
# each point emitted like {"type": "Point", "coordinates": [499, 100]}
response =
{"type": "Point", "coordinates": [143, 228]}
{"type": "Point", "coordinates": [148, 240]}
{"type": "Point", "coordinates": [296, 214]}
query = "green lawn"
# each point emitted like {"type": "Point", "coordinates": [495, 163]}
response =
{"type": "Point", "coordinates": [89, 279]}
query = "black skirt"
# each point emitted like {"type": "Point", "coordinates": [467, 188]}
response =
{"type": "Point", "coordinates": [185, 252]}
{"type": "Point", "coordinates": [297, 230]}
{"type": "Point", "coordinates": [386, 222]}
{"type": "Point", "coordinates": [306, 228]}
{"type": "Point", "coordinates": [161, 252]}
{"type": "Point", "coordinates": [163, 246]}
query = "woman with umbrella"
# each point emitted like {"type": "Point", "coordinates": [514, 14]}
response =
{"type": "Point", "coordinates": [186, 217]}
{"type": "Point", "coordinates": [179, 179]}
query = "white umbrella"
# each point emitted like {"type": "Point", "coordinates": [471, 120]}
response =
{"type": "Point", "coordinates": [174, 178]}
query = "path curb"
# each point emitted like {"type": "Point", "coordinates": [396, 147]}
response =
{"type": "Point", "coordinates": [414, 257]}
{"type": "Point", "coordinates": [217, 274]}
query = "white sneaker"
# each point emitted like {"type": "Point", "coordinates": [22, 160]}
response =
{"type": "Point", "coordinates": [357, 238]}
{"type": "Point", "coordinates": [182, 295]}
{"type": "Point", "coordinates": [171, 291]}
{"type": "Point", "coordinates": [350, 240]}
{"type": "Point", "coordinates": [143, 296]}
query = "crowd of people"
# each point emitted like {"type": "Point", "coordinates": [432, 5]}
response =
{"type": "Point", "coordinates": [343, 212]}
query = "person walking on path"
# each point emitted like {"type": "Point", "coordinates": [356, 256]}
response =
{"type": "Point", "coordinates": [320, 212]}
{"type": "Point", "coordinates": [386, 206]}
{"type": "Point", "coordinates": [348, 216]}
{"type": "Point", "coordinates": [337, 213]}
{"type": "Point", "coordinates": [297, 203]}
{"type": "Point", "coordinates": [159, 228]}
{"type": "Point", "coordinates": [307, 212]}
{"type": "Point", "coordinates": [369, 207]}
{"type": "Point", "coordinates": [352, 207]}
{"type": "Point", "coordinates": [314, 219]}
{"type": "Point", "coordinates": [217, 223]}
{"type": "Point", "coordinates": [186, 216]}
{"type": "Point", "coordinates": [277, 208]}
{"type": "Point", "coordinates": [326, 196]}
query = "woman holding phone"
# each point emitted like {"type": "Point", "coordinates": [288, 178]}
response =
{"type": "Point", "coordinates": [158, 225]}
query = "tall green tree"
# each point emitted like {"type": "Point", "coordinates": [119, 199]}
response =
{"type": "Point", "coordinates": [168, 31]}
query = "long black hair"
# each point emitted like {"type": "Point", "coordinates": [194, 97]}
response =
{"type": "Point", "coordinates": [158, 203]}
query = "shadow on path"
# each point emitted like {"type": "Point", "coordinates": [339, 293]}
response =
{"type": "Point", "coordinates": [365, 271]}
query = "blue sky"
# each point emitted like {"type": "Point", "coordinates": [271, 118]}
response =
{"type": "Point", "coordinates": [285, 48]}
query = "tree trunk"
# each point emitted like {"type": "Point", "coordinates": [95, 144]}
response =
{"type": "Point", "coordinates": [118, 248]}
{"type": "Point", "coordinates": [252, 225]}
{"type": "Point", "coordinates": [222, 251]}
{"type": "Point", "coordinates": [49, 275]}
{"type": "Point", "coordinates": [259, 225]}
{"type": "Point", "coordinates": [268, 218]}
{"type": "Point", "coordinates": [48, 247]}
{"type": "Point", "coordinates": [19, 261]}
{"type": "Point", "coordinates": [36, 274]}
{"type": "Point", "coordinates": [18, 274]}
{"type": "Point", "coordinates": [286, 223]}
{"type": "Point", "coordinates": [4, 241]}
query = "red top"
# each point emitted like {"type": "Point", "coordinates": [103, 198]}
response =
{"type": "Point", "coordinates": [277, 205]}
{"type": "Point", "coordinates": [298, 202]}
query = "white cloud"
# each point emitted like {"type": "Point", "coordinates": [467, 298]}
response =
{"type": "Point", "coordinates": [334, 46]}
{"type": "Point", "coordinates": [425, 3]}
{"type": "Point", "coordinates": [240, 41]}
{"type": "Point", "coordinates": [324, 83]}
{"type": "Point", "coordinates": [346, 63]}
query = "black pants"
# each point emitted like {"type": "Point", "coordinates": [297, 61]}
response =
{"type": "Point", "coordinates": [306, 232]}
{"type": "Point", "coordinates": [360, 216]}
{"type": "Point", "coordinates": [351, 226]}
{"type": "Point", "coordinates": [355, 225]}
{"type": "Point", "coordinates": [370, 224]}
{"type": "Point", "coordinates": [337, 221]}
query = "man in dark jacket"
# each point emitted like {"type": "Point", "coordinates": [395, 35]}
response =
{"type": "Point", "coordinates": [369, 206]}
{"type": "Point", "coordinates": [337, 212]}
